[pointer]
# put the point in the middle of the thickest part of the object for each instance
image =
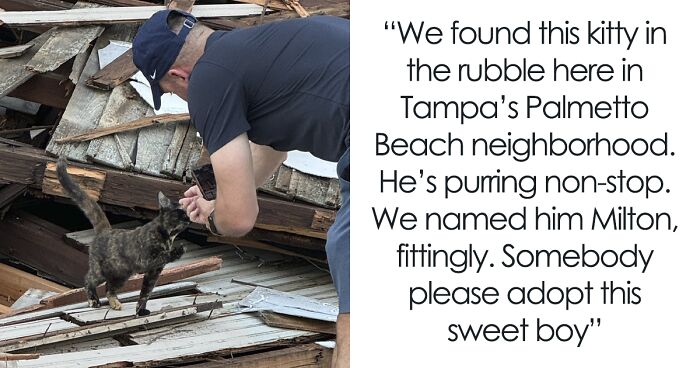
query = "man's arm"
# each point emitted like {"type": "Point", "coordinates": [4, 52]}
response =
{"type": "Point", "coordinates": [265, 161]}
{"type": "Point", "coordinates": [239, 166]}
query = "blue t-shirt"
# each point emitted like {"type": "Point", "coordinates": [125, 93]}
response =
{"type": "Point", "coordinates": [287, 84]}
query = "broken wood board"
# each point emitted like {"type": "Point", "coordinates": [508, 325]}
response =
{"type": "Point", "coordinates": [125, 127]}
{"type": "Point", "coordinates": [9, 193]}
{"type": "Point", "coordinates": [90, 180]}
{"type": "Point", "coordinates": [13, 72]}
{"type": "Point", "coordinates": [5, 309]}
{"type": "Point", "coordinates": [33, 328]}
{"type": "Point", "coordinates": [118, 150]}
{"type": "Point", "coordinates": [39, 244]}
{"type": "Point", "coordinates": [64, 43]}
{"type": "Point", "coordinates": [5, 357]}
{"type": "Point", "coordinates": [87, 316]}
{"type": "Point", "coordinates": [36, 315]}
{"type": "Point", "coordinates": [101, 329]}
{"type": "Point", "coordinates": [169, 275]}
{"type": "Point", "coordinates": [297, 323]}
{"type": "Point", "coordinates": [15, 283]}
{"type": "Point", "coordinates": [26, 165]}
{"type": "Point", "coordinates": [115, 73]}
{"type": "Point", "coordinates": [302, 356]}
{"type": "Point", "coordinates": [184, 144]}
{"type": "Point", "coordinates": [74, 17]}
{"type": "Point", "coordinates": [293, 184]}
{"type": "Point", "coordinates": [86, 105]}
{"type": "Point", "coordinates": [14, 51]}
{"type": "Point", "coordinates": [32, 297]}
{"type": "Point", "coordinates": [290, 251]}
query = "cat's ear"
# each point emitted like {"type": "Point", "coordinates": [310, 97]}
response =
{"type": "Point", "coordinates": [163, 201]}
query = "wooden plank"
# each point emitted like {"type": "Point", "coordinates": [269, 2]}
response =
{"type": "Point", "coordinates": [28, 315]}
{"type": "Point", "coordinates": [85, 107]}
{"type": "Point", "coordinates": [102, 329]}
{"type": "Point", "coordinates": [5, 357]}
{"type": "Point", "coordinates": [115, 73]}
{"type": "Point", "coordinates": [13, 72]}
{"type": "Point", "coordinates": [125, 127]}
{"type": "Point", "coordinates": [303, 356]}
{"type": "Point", "coordinates": [248, 242]}
{"type": "Point", "coordinates": [90, 180]}
{"type": "Point", "coordinates": [31, 297]}
{"type": "Point", "coordinates": [297, 323]}
{"type": "Point", "coordinates": [5, 309]}
{"type": "Point", "coordinates": [64, 43]}
{"type": "Point", "coordinates": [26, 165]}
{"type": "Point", "coordinates": [16, 282]}
{"type": "Point", "coordinates": [74, 17]}
{"type": "Point", "coordinates": [289, 304]}
{"type": "Point", "coordinates": [39, 244]}
{"type": "Point", "coordinates": [118, 150]}
{"type": "Point", "coordinates": [48, 89]}
{"type": "Point", "coordinates": [14, 51]}
{"type": "Point", "coordinates": [169, 275]}
{"type": "Point", "coordinates": [86, 316]}
{"type": "Point", "coordinates": [296, 185]}
{"type": "Point", "coordinates": [33, 328]}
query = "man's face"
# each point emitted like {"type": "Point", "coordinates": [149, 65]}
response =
{"type": "Point", "coordinates": [175, 82]}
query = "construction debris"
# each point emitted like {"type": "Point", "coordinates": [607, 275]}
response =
{"type": "Point", "coordinates": [263, 300]}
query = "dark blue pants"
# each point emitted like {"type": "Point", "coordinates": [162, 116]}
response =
{"type": "Point", "coordinates": [338, 242]}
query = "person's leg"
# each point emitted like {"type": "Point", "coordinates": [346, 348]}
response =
{"type": "Point", "coordinates": [338, 253]}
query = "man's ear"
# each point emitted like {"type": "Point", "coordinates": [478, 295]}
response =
{"type": "Point", "coordinates": [179, 73]}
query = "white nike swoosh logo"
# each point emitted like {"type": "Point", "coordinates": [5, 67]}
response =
{"type": "Point", "coordinates": [154, 75]}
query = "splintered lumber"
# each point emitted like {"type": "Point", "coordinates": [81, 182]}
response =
{"type": "Point", "coordinates": [169, 275]}
{"type": "Point", "coordinates": [31, 297]}
{"type": "Point", "coordinates": [5, 309]}
{"type": "Point", "coordinates": [64, 43]}
{"type": "Point", "coordinates": [290, 304]}
{"type": "Point", "coordinates": [294, 184]}
{"type": "Point", "coordinates": [90, 180]}
{"type": "Point", "coordinates": [103, 329]}
{"type": "Point", "coordinates": [132, 125]}
{"type": "Point", "coordinates": [115, 73]}
{"type": "Point", "coordinates": [185, 5]}
{"type": "Point", "coordinates": [75, 17]}
{"type": "Point", "coordinates": [16, 282]}
{"type": "Point", "coordinates": [86, 105]}
{"type": "Point", "coordinates": [297, 323]}
{"type": "Point", "coordinates": [14, 51]}
{"type": "Point", "coordinates": [26, 165]}
{"type": "Point", "coordinates": [302, 356]}
{"type": "Point", "coordinates": [41, 312]}
{"type": "Point", "coordinates": [13, 72]}
{"type": "Point", "coordinates": [39, 244]}
{"type": "Point", "coordinates": [5, 357]}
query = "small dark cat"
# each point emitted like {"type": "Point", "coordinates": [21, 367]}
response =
{"type": "Point", "coordinates": [116, 254]}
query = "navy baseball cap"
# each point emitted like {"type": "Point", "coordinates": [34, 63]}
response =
{"type": "Point", "coordinates": [156, 47]}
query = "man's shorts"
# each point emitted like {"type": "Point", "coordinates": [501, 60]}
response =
{"type": "Point", "coordinates": [338, 242]}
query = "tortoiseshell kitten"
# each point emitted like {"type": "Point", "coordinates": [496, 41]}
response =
{"type": "Point", "coordinates": [117, 254]}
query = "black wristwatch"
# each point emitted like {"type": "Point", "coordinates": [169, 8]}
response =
{"type": "Point", "coordinates": [212, 225]}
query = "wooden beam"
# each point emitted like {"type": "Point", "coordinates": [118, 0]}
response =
{"type": "Point", "coordinates": [169, 275]}
{"type": "Point", "coordinates": [297, 323]}
{"type": "Point", "coordinates": [5, 357]}
{"type": "Point", "coordinates": [14, 51]}
{"type": "Point", "coordinates": [16, 282]}
{"type": "Point", "coordinates": [5, 309]}
{"type": "Point", "coordinates": [115, 73]}
{"type": "Point", "coordinates": [10, 192]}
{"type": "Point", "coordinates": [39, 244]}
{"type": "Point", "coordinates": [90, 180]}
{"type": "Point", "coordinates": [74, 17]}
{"type": "Point", "coordinates": [27, 165]}
{"type": "Point", "coordinates": [50, 89]}
{"type": "Point", "coordinates": [302, 356]}
{"type": "Point", "coordinates": [104, 329]}
{"type": "Point", "coordinates": [132, 125]}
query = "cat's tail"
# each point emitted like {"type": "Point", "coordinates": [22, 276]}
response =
{"type": "Point", "coordinates": [92, 210]}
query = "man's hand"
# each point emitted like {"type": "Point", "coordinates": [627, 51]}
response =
{"type": "Point", "coordinates": [197, 208]}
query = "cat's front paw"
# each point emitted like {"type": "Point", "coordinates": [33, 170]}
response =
{"type": "Point", "coordinates": [94, 303]}
{"type": "Point", "coordinates": [114, 303]}
{"type": "Point", "coordinates": [142, 312]}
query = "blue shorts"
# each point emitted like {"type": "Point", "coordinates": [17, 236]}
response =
{"type": "Point", "coordinates": [338, 242]}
